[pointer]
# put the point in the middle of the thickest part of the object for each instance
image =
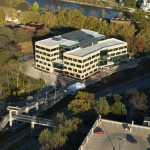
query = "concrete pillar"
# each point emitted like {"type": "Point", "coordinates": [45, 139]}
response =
{"type": "Point", "coordinates": [10, 118]}
{"type": "Point", "coordinates": [27, 110]}
{"type": "Point", "coordinates": [132, 122]}
{"type": "Point", "coordinates": [37, 106]}
{"type": "Point", "coordinates": [32, 125]}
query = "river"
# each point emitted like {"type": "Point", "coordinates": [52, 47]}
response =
{"type": "Point", "coordinates": [88, 10]}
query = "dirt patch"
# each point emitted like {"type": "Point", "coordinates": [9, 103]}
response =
{"type": "Point", "coordinates": [26, 48]}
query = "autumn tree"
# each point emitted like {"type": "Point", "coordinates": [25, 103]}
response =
{"type": "Point", "coordinates": [117, 98]}
{"type": "Point", "coordinates": [118, 108]}
{"type": "Point", "coordinates": [35, 6]}
{"type": "Point", "coordinates": [139, 100]}
{"type": "Point", "coordinates": [102, 107]}
{"type": "Point", "coordinates": [56, 138]}
{"type": "Point", "coordinates": [83, 102]}
{"type": "Point", "coordinates": [2, 16]}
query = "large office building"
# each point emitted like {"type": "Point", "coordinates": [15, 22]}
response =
{"type": "Point", "coordinates": [79, 53]}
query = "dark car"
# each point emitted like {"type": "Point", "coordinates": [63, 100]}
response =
{"type": "Point", "coordinates": [131, 139]}
{"type": "Point", "coordinates": [98, 130]}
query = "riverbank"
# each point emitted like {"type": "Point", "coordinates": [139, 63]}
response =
{"type": "Point", "coordinates": [114, 7]}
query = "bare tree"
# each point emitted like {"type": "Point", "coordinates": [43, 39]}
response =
{"type": "Point", "coordinates": [139, 100]}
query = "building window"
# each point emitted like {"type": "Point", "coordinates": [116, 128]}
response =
{"type": "Point", "coordinates": [42, 48]}
{"type": "Point", "coordinates": [79, 71]}
{"type": "Point", "coordinates": [78, 76]}
{"type": "Point", "coordinates": [66, 72]}
{"type": "Point", "coordinates": [36, 60]}
{"type": "Point", "coordinates": [48, 55]}
{"type": "Point", "coordinates": [69, 58]}
{"type": "Point", "coordinates": [91, 72]}
{"type": "Point", "coordinates": [84, 60]}
{"type": "Point", "coordinates": [79, 66]}
{"type": "Point", "coordinates": [44, 63]}
{"type": "Point", "coordinates": [42, 67]}
{"type": "Point", "coordinates": [84, 70]}
{"type": "Point", "coordinates": [47, 69]}
{"type": "Point", "coordinates": [91, 62]}
{"type": "Point", "coordinates": [48, 50]}
{"type": "Point", "coordinates": [53, 59]}
{"type": "Point", "coordinates": [47, 59]}
{"type": "Point", "coordinates": [113, 54]}
{"type": "Point", "coordinates": [38, 65]}
{"type": "Point", "coordinates": [53, 49]}
{"type": "Point", "coordinates": [69, 68]}
{"type": "Point", "coordinates": [65, 67]}
{"type": "Point", "coordinates": [123, 52]}
{"type": "Point", "coordinates": [49, 65]}
{"type": "Point", "coordinates": [75, 70]}
{"type": "Point", "coordinates": [86, 64]}
{"type": "Point", "coordinates": [65, 62]}
{"type": "Point", "coordinates": [95, 60]}
{"type": "Point", "coordinates": [71, 64]}
{"type": "Point", "coordinates": [75, 60]}
{"type": "Point", "coordinates": [65, 57]}
{"type": "Point", "coordinates": [118, 53]}
{"type": "Point", "coordinates": [71, 74]}
{"type": "Point", "coordinates": [80, 61]}
{"type": "Point", "coordinates": [37, 51]}
{"type": "Point", "coordinates": [95, 70]}
{"type": "Point", "coordinates": [37, 56]}
{"type": "Point", "coordinates": [43, 58]}
{"type": "Point", "coordinates": [37, 46]}
{"type": "Point", "coordinates": [89, 58]}
{"type": "Point", "coordinates": [55, 54]}
{"type": "Point", "coordinates": [115, 49]}
{"type": "Point", "coordinates": [86, 74]}
{"type": "Point", "coordinates": [93, 56]}
{"type": "Point", "coordinates": [93, 66]}
{"type": "Point", "coordinates": [52, 55]}
{"type": "Point", "coordinates": [89, 68]}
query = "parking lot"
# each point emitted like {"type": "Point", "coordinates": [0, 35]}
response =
{"type": "Point", "coordinates": [115, 137]}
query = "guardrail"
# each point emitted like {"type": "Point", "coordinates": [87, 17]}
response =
{"type": "Point", "coordinates": [4, 121]}
{"type": "Point", "coordinates": [97, 122]}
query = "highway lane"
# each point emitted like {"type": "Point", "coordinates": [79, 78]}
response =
{"type": "Point", "coordinates": [137, 83]}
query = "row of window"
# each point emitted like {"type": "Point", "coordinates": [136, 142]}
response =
{"type": "Point", "coordinates": [48, 50]}
{"type": "Point", "coordinates": [81, 61]}
{"type": "Point", "coordinates": [47, 59]}
{"type": "Point", "coordinates": [118, 53]}
{"type": "Point", "coordinates": [50, 55]}
{"type": "Point", "coordinates": [80, 76]}
{"type": "Point", "coordinates": [80, 71]}
{"type": "Point", "coordinates": [81, 66]}
{"type": "Point", "coordinates": [42, 67]}
{"type": "Point", "coordinates": [118, 48]}
{"type": "Point", "coordinates": [44, 63]}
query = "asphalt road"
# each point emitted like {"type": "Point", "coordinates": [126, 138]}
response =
{"type": "Point", "coordinates": [137, 83]}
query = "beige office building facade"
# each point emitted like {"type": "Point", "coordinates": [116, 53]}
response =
{"type": "Point", "coordinates": [79, 54]}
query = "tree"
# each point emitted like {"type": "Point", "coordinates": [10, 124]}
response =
{"type": "Point", "coordinates": [83, 102]}
{"type": "Point", "coordinates": [118, 108]}
{"type": "Point", "coordinates": [117, 98]}
{"type": "Point", "coordinates": [24, 6]}
{"type": "Point", "coordinates": [130, 3]}
{"type": "Point", "coordinates": [35, 6]}
{"type": "Point", "coordinates": [56, 138]}
{"type": "Point", "coordinates": [102, 107]}
{"type": "Point", "coordinates": [2, 16]}
{"type": "Point", "coordinates": [139, 100]}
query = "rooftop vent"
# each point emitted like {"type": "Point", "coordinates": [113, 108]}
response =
{"type": "Point", "coordinates": [56, 38]}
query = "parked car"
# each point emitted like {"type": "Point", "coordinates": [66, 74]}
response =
{"type": "Point", "coordinates": [126, 127]}
{"type": "Point", "coordinates": [98, 130]}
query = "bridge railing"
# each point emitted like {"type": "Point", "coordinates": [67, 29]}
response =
{"type": "Point", "coordinates": [4, 121]}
